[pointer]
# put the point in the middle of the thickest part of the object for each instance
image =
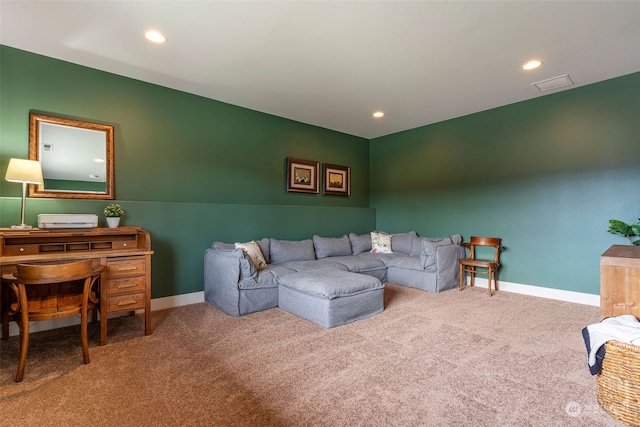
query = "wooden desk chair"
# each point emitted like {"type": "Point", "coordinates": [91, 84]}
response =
{"type": "Point", "coordinates": [472, 263]}
{"type": "Point", "coordinates": [52, 291]}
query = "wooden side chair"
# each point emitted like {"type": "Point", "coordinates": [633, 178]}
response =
{"type": "Point", "coordinates": [52, 291]}
{"type": "Point", "coordinates": [473, 262]}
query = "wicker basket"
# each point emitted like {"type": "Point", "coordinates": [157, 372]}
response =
{"type": "Point", "coordinates": [618, 383]}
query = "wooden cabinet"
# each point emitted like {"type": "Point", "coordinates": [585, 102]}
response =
{"type": "Point", "coordinates": [125, 284]}
{"type": "Point", "coordinates": [126, 288]}
{"type": "Point", "coordinates": [620, 281]}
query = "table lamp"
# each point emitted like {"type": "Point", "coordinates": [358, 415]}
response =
{"type": "Point", "coordinates": [26, 172]}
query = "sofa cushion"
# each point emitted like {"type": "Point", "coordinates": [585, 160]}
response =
{"type": "Point", "coordinates": [313, 265]}
{"type": "Point", "coordinates": [254, 252]}
{"type": "Point", "coordinates": [247, 267]}
{"type": "Point", "coordinates": [264, 248]}
{"type": "Point", "coordinates": [403, 242]}
{"type": "Point", "coordinates": [291, 250]}
{"type": "Point", "coordinates": [331, 246]}
{"type": "Point", "coordinates": [429, 247]}
{"type": "Point", "coordinates": [331, 283]}
{"type": "Point", "coordinates": [456, 239]}
{"type": "Point", "coordinates": [222, 246]}
{"type": "Point", "coordinates": [360, 264]}
{"type": "Point", "coordinates": [380, 243]}
{"type": "Point", "coordinates": [401, 260]}
{"type": "Point", "coordinates": [418, 242]}
{"type": "Point", "coordinates": [360, 243]}
{"type": "Point", "coordinates": [268, 277]}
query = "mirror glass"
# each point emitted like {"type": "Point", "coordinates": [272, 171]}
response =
{"type": "Point", "coordinates": [76, 157]}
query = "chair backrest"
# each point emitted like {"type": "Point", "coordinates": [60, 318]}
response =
{"type": "Point", "coordinates": [39, 274]}
{"type": "Point", "coordinates": [485, 241]}
{"type": "Point", "coordinates": [54, 290]}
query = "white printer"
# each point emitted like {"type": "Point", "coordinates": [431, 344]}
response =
{"type": "Point", "coordinates": [67, 221]}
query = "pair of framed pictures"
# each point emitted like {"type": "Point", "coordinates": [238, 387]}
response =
{"type": "Point", "coordinates": [302, 177]}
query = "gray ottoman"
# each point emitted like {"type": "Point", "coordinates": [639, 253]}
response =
{"type": "Point", "coordinates": [331, 297]}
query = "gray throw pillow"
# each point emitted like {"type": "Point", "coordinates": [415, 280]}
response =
{"type": "Point", "coordinates": [264, 247]}
{"type": "Point", "coordinates": [222, 246]}
{"type": "Point", "coordinates": [331, 246]}
{"type": "Point", "coordinates": [417, 245]}
{"type": "Point", "coordinates": [429, 247]}
{"type": "Point", "coordinates": [247, 267]}
{"type": "Point", "coordinates": [291, 250]}
{"type": "Point", "coordinates": [360, 243]}
{"type": "Point", "coordinates": [403, 242]}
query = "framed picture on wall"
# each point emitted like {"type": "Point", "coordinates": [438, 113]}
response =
{"type": "Point", "coordinates": [337, 180]}
{"type": "Point", "coordinates": [302, 175]}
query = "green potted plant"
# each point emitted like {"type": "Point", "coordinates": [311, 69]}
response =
{"type": "Point", "coordinates": [631, 232]}
{"type": "Point", "coordinates": [113, 212]}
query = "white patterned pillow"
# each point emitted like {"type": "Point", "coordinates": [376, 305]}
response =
{"type": "Point", "coordinates": [380, 243]}
{"type": "Point", "coordinates": [253, 251]}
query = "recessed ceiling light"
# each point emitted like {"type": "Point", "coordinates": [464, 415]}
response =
{"type": "Point", "coordinates": [378, 114]}
{"type": "Point", "coordinates": [155, 36]}
{"type": "Point", "coordinates": [532, 65]}
{"type": "Point", "coordinates": [98, 160]}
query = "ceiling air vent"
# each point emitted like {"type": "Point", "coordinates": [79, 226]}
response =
{"type": "Point", "coordinates": [553, 83]}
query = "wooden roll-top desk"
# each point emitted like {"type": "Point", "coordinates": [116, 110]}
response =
{"type": "Point", "coordinates": [125, 283]}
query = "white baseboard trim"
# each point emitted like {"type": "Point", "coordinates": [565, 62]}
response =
{"type": "Point", "coordinates": [176, 301]}
{"type": "Point", "coordinates": [197, 297]}
{"type": "Point", "coordinates": [538, 291]}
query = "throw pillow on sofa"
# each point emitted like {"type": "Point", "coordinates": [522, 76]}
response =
{"type": "Point", "coordinates": [360, 243]}
{"type": "Point", "coordinates": [264, 248]}
{"type": "Point", "coordinates": [247, 267]}
{"type": "Point", "coordinates": [380, 243]}
{"type": "Point", "coordinates": [426, 248]}
{"type": "Point", "coordinates": [254, 252]}
{"type": "Point", "coordinates": [403, 242]}
{"type": "Point", "coordinates": [331, 246]}
{"type": "Point", "coordinates": [291, 250]}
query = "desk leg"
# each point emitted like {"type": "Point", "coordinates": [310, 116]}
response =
{"type": "Point", "coordinates": [147, 300]}
{"type": "Point", "coordinates": [104, 305]}
{"type": "Point", "coordinates": [4, 309]}
{"type": "Point", "coordinates": [5, 326]}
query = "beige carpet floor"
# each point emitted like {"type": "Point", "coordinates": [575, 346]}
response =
{"type": "Point", "coordinates": [449, 359]}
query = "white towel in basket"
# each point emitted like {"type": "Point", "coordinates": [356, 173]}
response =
{"type": "Point", "coordinates": [624, 328]}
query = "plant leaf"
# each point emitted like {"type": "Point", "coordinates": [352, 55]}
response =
{"type": "Point", "coordinates": [620, 228]}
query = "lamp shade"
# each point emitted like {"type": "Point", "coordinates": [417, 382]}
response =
{"type": "Point", "coordinates": [21, 170]}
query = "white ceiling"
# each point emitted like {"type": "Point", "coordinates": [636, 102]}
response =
{"type": "Point", "coordinates": [332, 63]}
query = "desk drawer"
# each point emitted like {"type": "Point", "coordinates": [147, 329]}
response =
{"type": "Point", "coordinates": [126, 284]}
{"type": "Point", "coordinates": [126, 267]}
{"type": "Point", "coordinates": [126, 302]}
{"type": "Point", "coordinates": [15, 250]}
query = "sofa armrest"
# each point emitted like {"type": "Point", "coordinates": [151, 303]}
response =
{"type": "Point", "coordinates": [223, 271]}
{"type": "Point", "coordinates": [447, 266]}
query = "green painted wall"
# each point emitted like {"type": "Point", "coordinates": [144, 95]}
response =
{"type": "Point", "coordinates": [188, 169]}
{"type": "Point", "coordinates": [546, 175]}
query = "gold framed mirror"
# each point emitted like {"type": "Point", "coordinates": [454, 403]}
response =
{"type": "Point", "coordinates": [76, 157]}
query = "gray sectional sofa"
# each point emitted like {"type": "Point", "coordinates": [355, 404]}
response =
{"type": "Point", "coordinates": [331, 281]}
